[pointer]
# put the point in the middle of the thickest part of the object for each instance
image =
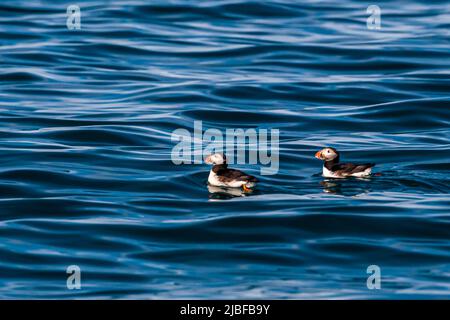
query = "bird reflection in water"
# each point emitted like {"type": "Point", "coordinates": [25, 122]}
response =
{"type": "Point", "coordinates": [224, 193]}
{"type": "Point", "coordinates": [346, 187]}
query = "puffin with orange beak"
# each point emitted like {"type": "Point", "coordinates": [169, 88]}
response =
{"type": "Point", "coordinates": [332, 168]}
{"type": "Point", "coordinates": [221, 176]}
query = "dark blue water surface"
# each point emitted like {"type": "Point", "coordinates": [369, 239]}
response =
{"type": "Point", "coordinates": [86, 176]}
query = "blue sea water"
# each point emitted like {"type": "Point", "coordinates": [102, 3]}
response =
{"type": "Point", "coordinates": [86, 176]}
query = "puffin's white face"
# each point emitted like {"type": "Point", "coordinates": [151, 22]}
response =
{"type": "Point", "coordinates": [326, 154]}
{"type": "Point", "coordinates": [215, 158]}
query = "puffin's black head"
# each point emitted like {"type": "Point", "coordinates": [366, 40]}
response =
{"type": "Point", "coordinates": [216, 158]}
{"type": "Point", "coordinates": [327, 154]}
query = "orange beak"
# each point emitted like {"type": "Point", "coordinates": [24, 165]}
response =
{"type": "Point", "coordinates": [319, 155]}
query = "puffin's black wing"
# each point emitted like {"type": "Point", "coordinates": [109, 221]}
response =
{"type": "Point", "coordinates": [351, 168]}
{"type": "Point", "coordinates": [233, 175]}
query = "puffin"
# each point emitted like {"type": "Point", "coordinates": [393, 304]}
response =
{"type": "Point", "coordinates": [221, 176]}
{"type": "Point", "coordinates": [333, 169]}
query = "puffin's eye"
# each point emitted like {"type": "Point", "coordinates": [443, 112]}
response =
{"type": "Point", "coordinates": [328, 151]}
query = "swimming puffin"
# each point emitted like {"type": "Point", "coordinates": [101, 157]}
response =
{"type": "Point", "coordinates": [333, 169]}
{"type": "Point", "coordinates": [221, 176]}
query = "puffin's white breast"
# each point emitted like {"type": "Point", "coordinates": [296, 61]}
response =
{"type": "Point", "coordinates": [213, 180]}
{"type": "Point", "coordinates": [330, 174]}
